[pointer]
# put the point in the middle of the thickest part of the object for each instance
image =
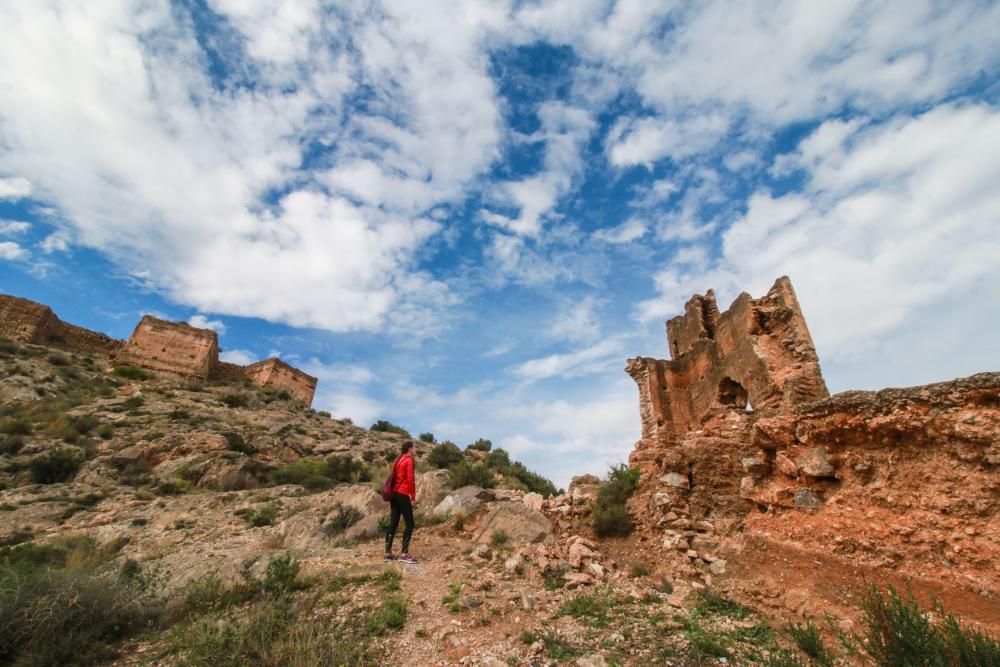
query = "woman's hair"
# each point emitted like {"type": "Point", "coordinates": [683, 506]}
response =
{"type": "Point", "coordinates": [406, 446]}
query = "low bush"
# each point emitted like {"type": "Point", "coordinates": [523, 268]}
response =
{"type": "Point", "coordinates": [58, 359]}
{"type": "Point", "coordinates": [383, 426]}
{"type": "Point", "coordinates": [898, 634]}
{"type": "Point", "coordinates": [466, 474]}
{"type": "Point", "coordinates": [55, 466]}
{"type": "Point", "coordinates": [390, 616]}
{"type": "Point", "coordinates": [318, 475]}
{"type": "Point", "coordinates": [236, 400]}
{"type": "Point", "coordinates": [590, 608]}
{"type": "Point", "coordinates": [259, 516]}
{"type": "Point", "coordinates": [445, 455]}
{"type": "Point", "coordinates": [610, 511]}
{"type": "Point", "coordinates": [236, 443]}
{"type": "Point", "coordinates": [55, 616]}
{"type": "Point", "coordinates": [809, 640]}
{"type": "Point", "coordinates": [426, 437]}
{"type": "Point", "coordinates": [130, 372]}
{"type": "Point", "coordinates": [342, 518]}
{"type": "Point", "coordinates": [481, 445]}
{"type": "Point", "coordinates": [16, 426]}
{"type": "Point", "coordinates": [499, 539]}
{"type": "Point", "coordinates": [11, 444]}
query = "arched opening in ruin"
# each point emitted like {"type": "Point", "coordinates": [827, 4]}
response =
{"type": "Point", "coordinates": [732, 394]}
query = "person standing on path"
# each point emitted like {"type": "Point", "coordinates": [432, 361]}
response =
{"type": "Point", "coordinates": [404, 494]}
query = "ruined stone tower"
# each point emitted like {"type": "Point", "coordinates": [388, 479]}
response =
{"type": "Point", "coordinates": [757, 355]}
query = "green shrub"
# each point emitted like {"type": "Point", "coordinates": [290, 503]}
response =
{"type": "Point", "coordinates": [259, 516]}
{"type": "Point", "coordinates": [179, 414]}
{"type": "Point", "coordinates": [391, 615]}
{"type": "Point", "coordinates": [481, 445]}
{"type": "Point", "coordinates": [590, 608]}
{"type": "Point", "coordinates": [705, 642]}
{"type": "Point", "coordinates": [130, 372]}
{"type": "Point", "coordinates": [58, 359]}
{"type": "Point", "coordinates": [342, 518]}
{"type": "Point", "coordinates": [610, 511]}
{"type": "Point", "coordinates": [445, 455]}
{"type": "Point", "coordinates": [466, 474]}
{"type": "Point", "coordinates": [318, 475]}
{"type": "Point", "coordinates": [712, 603]}
{"type": "Point", "coordinates": [51, 616]}
{"type": "Point", "coordinates": [898, 634]}
{"type": "Point", "coordinates": [106, 432]}
{"type": "Point", "coordinates": [498, 459]}
{"type": "Point", "coordinates": [810, 642]}
{"type": "Point", "coordinates": [499, 539]}
{"type": "Point", "coordinates": [16, 426]}
{"type": "Point", "coordinates": [236, 400]}
{"type": "Point", "coordinates": [236, 443]}
{"type": "Point", "coordinates": [11, 444]}
{"type": "Point", "coordinates": [383, 426]}
{"type": "Point", "coordinates": [55, 466]}
{"type": "Point", "coordinates": [281, 576]}
{"type": "Point", "coordinates": [426, 437]}
{"type": "Point", "coordinates": [271, 632]}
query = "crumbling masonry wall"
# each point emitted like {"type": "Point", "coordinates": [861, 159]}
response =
{"type": "Point", "coordinates": [172, 347]}
{"type": "Point", "coordinates": [159, 345]}
{"type": "Point", "coordinates": [758, 354]}
{"type": "Point", "coordinates": [276, 373]}
{"type": "Point", "coordinates": [30, 322]}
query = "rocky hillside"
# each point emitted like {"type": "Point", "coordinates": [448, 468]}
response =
{"type": "Point", "coordinates": [149, 521]}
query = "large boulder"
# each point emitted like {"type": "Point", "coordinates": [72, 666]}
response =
{"type": "Point", "coordinates": [465, 500]}
{"type": "Point", "coordinates": [361, 497]}
{"type": "Point", "coordinates": [583, 488]}
{"type": "Point", "coordinates": [520, 523]}
{"type": "Point", "coordinates": [432, 487]}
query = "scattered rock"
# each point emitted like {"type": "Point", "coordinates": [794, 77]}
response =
{"type": "Point", "coordinates": [676, 480]}
{"type": "Point", "coordinates": [755, 466]}
{"type": "Point", "coordinates": [534, 500]}
{"type": "Point", "coordinates": [482, 552]}
{"type": "Point", "coordinates": [717, 567]}
{"type": "Point", "coordinates": [521, 524]}
{"type": "Point", "coordinates": [591, 661]}
{"type": "Point", "coordinates": [465, 500]}
{"type": "Point", "coordinates": [805, 498]}
{"type": "Point", "coordinates": [814, 463]}
{"type": "Point", "coordinates": [785, 465]}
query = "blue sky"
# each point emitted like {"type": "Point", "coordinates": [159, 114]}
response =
{"type": "Point", "coordinates": [464, 217]}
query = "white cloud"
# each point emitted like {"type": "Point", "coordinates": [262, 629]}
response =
{"type": "Point", "coordinates": [13, 227]}
{"type": "Point", "coordinates": [576, 320]}
{"type": "Point", "coordinates": [595, 358]}
{"type": "Point", "coordinates": [14, 188]}
{"type": "Point", "coordinates": [55, 242]}
{"type": "Point", "coordinates": [630, 230]}
{"type": "Point", "coordinates": [647, 140]}
{"type": "Point", "coordinates": [564, 130]}
{"type": "Point", "coordinates": [894, 218]}
{"type": "Point", "coordinates": [12, 251]}
{"type": "Point", "coordinates": [239, 357]}
{"type": "Point", "coordinates": [343, 390]}
{"type": "Point", "coordinates": [202, 322]}
{"type": "Point", "coordinates": [116, 120]}
{"type": "Point", "coordinates": [500, 349]}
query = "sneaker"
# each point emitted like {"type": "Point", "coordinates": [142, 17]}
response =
{"type": "Point", "coordinates": [389, 557]}
{"type": "Point", "coordinates": [407, 558]}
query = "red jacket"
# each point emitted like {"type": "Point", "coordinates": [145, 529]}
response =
{"type": "Point", "coordinates": [404, 482]}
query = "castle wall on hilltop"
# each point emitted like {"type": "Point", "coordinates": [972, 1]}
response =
{"type": "Point", "coordinates": [276, 373]}
{"type": "Point", "coordinates": [172, 347]}
{"type": "Point", "coordinates": [30, 322]}
{"type": "Point", "coordinates": [159, 345]}
{"type": "Point", "coordinates": [757, 354]}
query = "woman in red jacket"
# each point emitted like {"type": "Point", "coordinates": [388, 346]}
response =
{"type": "Point", "coordinates": [404, 494]}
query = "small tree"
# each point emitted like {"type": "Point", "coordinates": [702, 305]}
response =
{"type": "Point", "coordinates": [427, 437]}
{"type": "Point", "coordinates": [384, 426]}
{"type": "Point", "coordinates": [610, 509]}
{"type": "Point", "coordinates": [481, 445]}
{"type": "Point", "coordinates": [445, 455]}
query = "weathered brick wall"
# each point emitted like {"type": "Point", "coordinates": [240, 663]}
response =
{"type": "Point", "coordinates": [26, 321]}
{"type": "Point", "coordinates": [276, 373]}
{"type": "Point", "coordinates": [758, 352]}
{"type": "Point", "coordinates": [172, 347]}
{"type": "Point", "coordinates": [79, 339]}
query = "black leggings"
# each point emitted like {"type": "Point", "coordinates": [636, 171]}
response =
{"type": "Point", "coordinates": [400, 505]}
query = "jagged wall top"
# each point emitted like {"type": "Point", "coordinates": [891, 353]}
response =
{"type": "Point", "coordinates": [171, 347]}
{"type": "Point", "coordinates": [758, 354]}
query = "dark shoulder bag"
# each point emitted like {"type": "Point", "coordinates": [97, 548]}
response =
{"type": "Point", "coordinates": [390, 482]}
